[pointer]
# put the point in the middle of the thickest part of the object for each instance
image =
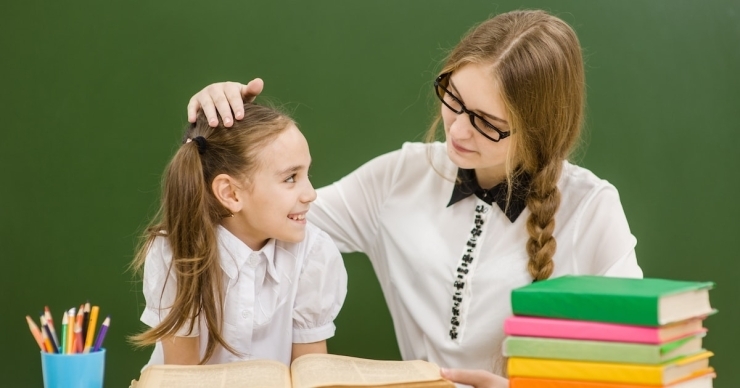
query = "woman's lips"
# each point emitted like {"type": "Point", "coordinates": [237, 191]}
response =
{"type": "Point", "coordinates": [459, 148]}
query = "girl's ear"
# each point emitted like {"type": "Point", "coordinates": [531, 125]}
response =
{"type": "Point", "coordinates": [227, 191]}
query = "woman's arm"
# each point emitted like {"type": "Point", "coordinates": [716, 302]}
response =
{"type": "Point", "coordinates": [224, 97]}
{"type": "Point", "coordinates": [314, 347]}
{"type": "Point", "coordinates": [181, 350]}
{"type": "Point", "coordinates": [475, 378]}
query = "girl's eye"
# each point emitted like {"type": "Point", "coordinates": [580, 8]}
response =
{"type": "Point", "coordinates": [291, 179]}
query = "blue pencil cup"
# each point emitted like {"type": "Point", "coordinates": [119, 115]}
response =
{"type": "Point", "coordinates": [73, 370]}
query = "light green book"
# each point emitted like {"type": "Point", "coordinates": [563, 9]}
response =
{"type": "Point", "coordinates": [602, 351]}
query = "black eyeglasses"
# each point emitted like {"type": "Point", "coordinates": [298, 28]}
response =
{"type": "Point", "coordinates": [488, 130]}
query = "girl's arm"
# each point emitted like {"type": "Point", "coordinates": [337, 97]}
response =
{"type": "Point", "coordinates": [182, 350]}
{"type": "Point", "coordinates": [313, 347]}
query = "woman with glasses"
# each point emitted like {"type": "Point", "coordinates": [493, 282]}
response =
{"type": "Point", "coordinates": [452, 226]}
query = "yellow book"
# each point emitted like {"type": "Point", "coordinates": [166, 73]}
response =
{"type": "Point", "coordinates": [661, 374]}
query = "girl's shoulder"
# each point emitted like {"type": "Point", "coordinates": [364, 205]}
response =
{"type": "Point", "coordinates": [160, 249]}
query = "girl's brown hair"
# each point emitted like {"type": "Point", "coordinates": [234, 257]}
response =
{"type": "Point", "coordinates": [190, 214]}
{"type": "Point", "coordinates": [536, 62]}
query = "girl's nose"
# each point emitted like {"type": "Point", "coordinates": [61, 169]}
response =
{"type": "Point", "coordinates": [309, 194]}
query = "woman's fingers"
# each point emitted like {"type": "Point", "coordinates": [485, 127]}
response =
{"type": "Point", "coordinates": [253, 89]}
{"type": "Point", "coordinates": [244, 93]}
{"type": "Point", "coordinates": [223, 98]}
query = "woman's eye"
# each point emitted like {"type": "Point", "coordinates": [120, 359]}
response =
{"type": "Point", "coordinates": [291, 179]}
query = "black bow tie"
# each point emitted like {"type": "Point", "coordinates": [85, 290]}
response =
{"type": "Point", "coordinates": [467, 185]}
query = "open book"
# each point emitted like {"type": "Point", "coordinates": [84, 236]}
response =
{"type": "Point", "coordinates": [308, 371]}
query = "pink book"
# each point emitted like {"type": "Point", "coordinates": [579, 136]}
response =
{"type": "Point", "coordinates": [598, 331]}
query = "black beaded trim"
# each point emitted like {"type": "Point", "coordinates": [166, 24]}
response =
{"type": "Point", "coordinates": [462, 270]}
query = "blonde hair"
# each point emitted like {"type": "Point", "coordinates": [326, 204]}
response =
{"type": "Point", "coordinates": [537, 64]}
{"type": "Point", "coordinates": [190, 214]}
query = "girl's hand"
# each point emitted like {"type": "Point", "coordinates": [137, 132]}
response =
{"type": "Point", "coordinates": [475, 378]}
{"type": "Point", "coordinates": [224, 97]}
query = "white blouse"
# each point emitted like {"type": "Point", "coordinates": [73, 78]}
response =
{"type": "Point", "coordinates": [394, 209]}
{"type": "Point", "coordinates": [282, 294]}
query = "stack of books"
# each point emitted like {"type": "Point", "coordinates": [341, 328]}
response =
{"type": "Point", "coordinates": [600, 332]}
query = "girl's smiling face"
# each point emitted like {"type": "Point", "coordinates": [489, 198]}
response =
{"type": "Point", "coordinates": [278, 195]}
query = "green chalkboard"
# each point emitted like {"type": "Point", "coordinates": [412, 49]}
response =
{"type": "Point", "coordinates": [94, 96]}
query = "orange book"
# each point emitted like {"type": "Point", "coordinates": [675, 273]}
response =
{"type": "Point", "coordinates": [700, 379]}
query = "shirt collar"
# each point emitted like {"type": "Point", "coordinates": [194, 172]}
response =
{"type": "Point", "coordinates": [466, 185]}
{"type": "Point", "coordinates": [235, 253]}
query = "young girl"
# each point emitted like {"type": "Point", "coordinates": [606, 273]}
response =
{"type": "Point", "coordinates": [452, 227]}
{"type": "Point", "coordinates": [232, 270]}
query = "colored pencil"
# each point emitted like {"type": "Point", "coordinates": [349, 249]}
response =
{"type": "Point", "coordinates": [36, 333]}
{"type": "Point", "coordinates": [78, 328]}
{"type": "Point", "coordinates": [78, 336]}
{"type": "Point", "coordinates": [91, 328]}
{"type": "Point", "coordinates": [70, 329]}
{"type": "Point", "coordinates": [50, 322]}
{"type": "Point", "coordinates": [101, 335]}
{"type": "Point", "coordinates": [65, 339]}
{"type": "Point", "coordinates": [47, 331]}
{"type": "Point", "coordinates": [85, 320]}
{"type": "Point", "coordinates": [47, 342]}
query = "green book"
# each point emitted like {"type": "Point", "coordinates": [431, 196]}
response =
{"type": "Point", "coordinates": [644, 302]}
{"type": "Point", "coordinates": [602, 351]}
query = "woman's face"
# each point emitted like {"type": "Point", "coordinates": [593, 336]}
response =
{"type": "Point", "coordinates": [474, 86]}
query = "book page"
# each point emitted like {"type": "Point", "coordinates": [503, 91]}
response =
{"type": "Point", "coordinates": [242, 374]}
{"type": "Point", "coordinates": [320, 370]}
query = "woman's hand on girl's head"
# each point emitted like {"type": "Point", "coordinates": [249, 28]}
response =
{"type": "Point", "coordinates": [475, 378]}
{"type": "Point", "coordinates": [221, 99]}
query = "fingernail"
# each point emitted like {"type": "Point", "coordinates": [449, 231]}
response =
{"type": "Point", "coordinates": [213, 122]}
{"type": "Point", "coordinates": [227, 121]}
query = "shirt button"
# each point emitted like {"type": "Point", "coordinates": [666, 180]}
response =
{"type": "Point", "coordinates": [245, 314]}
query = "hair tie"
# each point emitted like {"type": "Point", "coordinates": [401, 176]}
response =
{"type": "Point", "coordinates": [201, 142]}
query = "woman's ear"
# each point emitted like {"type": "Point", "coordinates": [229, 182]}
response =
{"type": "Point", "coordinates": [228, 192]}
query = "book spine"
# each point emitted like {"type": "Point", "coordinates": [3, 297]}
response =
{"type": "Point", "coordinates": [524, 382]}
{"type": "Point", "coordinates": [585, 371]}
{"type": "Point", "coordinates": [583, 330]}
{"type": "Point", "coordinates": [631, 310]}
{"type": "Point", "coordinates": [600, 351]}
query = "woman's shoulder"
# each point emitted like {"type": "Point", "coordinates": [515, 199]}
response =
{"type": "Point", "coordinates": [418, 157]}
{"type": "Point", "coordinates": [577, 178]}
{"type": "Point", "coordinates": [416, 151]}
{"type": "Point", "coordinates": [579, 185]}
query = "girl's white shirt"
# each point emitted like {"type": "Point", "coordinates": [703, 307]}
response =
{"type": "Point", "coordinates": [284, 293]}
{"type": "Point", "coordinates": [394, 209]}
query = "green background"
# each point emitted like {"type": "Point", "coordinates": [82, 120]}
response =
{"type": "Point", "coordinates": [93, 98]}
